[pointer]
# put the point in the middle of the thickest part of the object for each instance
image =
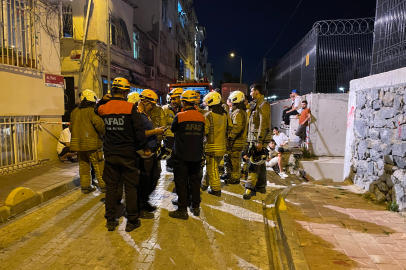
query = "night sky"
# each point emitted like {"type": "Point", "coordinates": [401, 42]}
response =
{"type": "Point", "coordinates": [249, 27]}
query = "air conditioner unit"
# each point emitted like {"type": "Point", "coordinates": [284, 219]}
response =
{"type": "Point", "coordinates": [150, 73]}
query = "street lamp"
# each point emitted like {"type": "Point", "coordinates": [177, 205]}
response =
{"type": "Point", "coordinates": [273, 97]}
{"type": "Point", "coordinates": [341, 89]}
{"type": "Point", "coordinates": [233, 55]}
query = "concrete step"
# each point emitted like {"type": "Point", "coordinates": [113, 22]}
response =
{"type": "Point", "coordinates": [325, 168]}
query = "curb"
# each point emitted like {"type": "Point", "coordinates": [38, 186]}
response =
{"type": "Point", "coordinates": [290, 241]}
{"type": "Point", "coordinates": [39, 197]}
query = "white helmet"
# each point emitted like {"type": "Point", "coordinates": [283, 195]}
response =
{"type": "Point", "coordinates": [212, 98]}
{"type": "Point", "coordinates": [133, 97]}
{"type": "Point", "coordinates": [236, 97]}
{"type": "Point", "coordinates": [89, 95]}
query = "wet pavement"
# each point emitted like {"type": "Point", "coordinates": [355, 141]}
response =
{"type": "Point", "coordinates": [69, 233]}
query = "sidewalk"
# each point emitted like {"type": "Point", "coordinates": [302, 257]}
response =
{"type": "Point", "coordinates": [338, 228]}
{"type": "Point", "coordinates": [30, 187]}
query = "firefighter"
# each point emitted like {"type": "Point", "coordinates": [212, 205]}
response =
{"type": "Point", "coordinates": [259, 135]}
{"type": "Point", "coordinates": [124, 141]}
{"type": "Point", "coordinates": [188, 127]}
{"type": "Point", "coordinates": [86, 129]}
{"type": "Point", "coordinates": [236, 138]}
{"type": "Point", "coordinates": [148, 165]}
{"type": "Point", "coordinates": [170, 111]}
{"type": "Point", "coordinates": [217, 124]}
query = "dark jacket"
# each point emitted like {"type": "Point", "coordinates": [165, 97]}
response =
{"type": "Point", "coordinates": [86, 128]}
{"type": "Point", "coordinates": [125, 133]}
{"type": "Point", "coordinates": [188, 127]}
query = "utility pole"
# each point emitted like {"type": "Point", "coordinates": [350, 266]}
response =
{"type": "Point", "coordinates": [241, 72]}
{"type": "Point", "coordinates": [82, 59]}
{"type": "Point", "coordinates": [108, 49]}
{"type": "Point", "coordinates": [264, 73]}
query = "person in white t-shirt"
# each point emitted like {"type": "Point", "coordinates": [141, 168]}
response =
{"type": "Point", "coordinates": [63, 151]}
{"type": "Point", "coordinates": [296, 107]}
{"type": "Point", "coordinates": [280, 138]}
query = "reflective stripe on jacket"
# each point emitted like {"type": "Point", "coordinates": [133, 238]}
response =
{"type": "Point", "coordinates": [216, 128]}
{"type": "Point", "coordinates": [259, 129]}
{"type": "Point", "coordinates": [238, 133]}
{"type": "Point", "coordinates": [188, 127]}
{"type": "Point", "coordinates": [86, 128]}
{"type": "Point", "coordinates": [169, 115]}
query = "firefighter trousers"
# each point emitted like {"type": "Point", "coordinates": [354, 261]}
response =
{"type": "Point", "coordinates": [232, 163]}
{"type": "Point", "coordinates": [256, 177]}
{"type": "Point", "coordinates": [212, 177]}
{"type": "Point", "coordinates": [117, 169]}
{"type": "Point", "coordinates": [148, 179]}
{"type": "Point", "coordinates": [186, 177]}
{"type": "Point", "coordinates": [87, 158]}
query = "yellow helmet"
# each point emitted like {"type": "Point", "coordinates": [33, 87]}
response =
{"type": "Point", "coordinates": [121, 83]}
{"type": "Point", "coordinates": [212, 98]}
{"type": "Point", "coordinates": [177, 92]}
{"type": "Point", "coordinates": [149, 95]}
{"type": "Point", "coordinates": [189, 96]}
{"type": "Point", "coordinates": [89, 95]}
{"type": "Point", "coordinates": [236, 97]}
{"type": "Point", "coordinates": [133, 97]}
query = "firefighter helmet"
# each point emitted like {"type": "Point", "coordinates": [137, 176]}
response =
{"type": "Point", "coordinates": [89, 95]}
{"type": "Point", "coordinates": [258, 157]}
{"type": "Point", "coordinates": [189, 96]}
{"type": "Point", "coordinates": [133, 97]}
{"type": "Point", "coordinates": [121, 84]}
{"type": "Point", "coordinates": [212, 98]}
{"type": "Point", "coordinates": [236, 97]}
{"type": "Point", "coordinates": [149, 95]}
{"type": "Point", "coordinates": [177, 92]}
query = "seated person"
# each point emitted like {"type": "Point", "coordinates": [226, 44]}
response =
{"type": "Point", "coordinates": [280, 138]}
{"type": "Point", "coordinates": [63, 151]}
{"type": "Point", "coordinates": [275, 158]}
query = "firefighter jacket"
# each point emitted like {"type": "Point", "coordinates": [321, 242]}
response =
{"type": "Point", "coordinates": [217, 126]}
{"type": "Point", "coordinates": [125, 132]}
{"type": "Point", "coordinates": [169, 114]}
{"type": "Point", "coordinates": [259, 128]}
{"type": "Point", "coordinates": [86, 128]}
{"type": "Point", "coordinates": [158, 119]}
{"type": "Point", "coordinates": [188, 127]}
{"type": "Point", "coordinates": [238, 133]}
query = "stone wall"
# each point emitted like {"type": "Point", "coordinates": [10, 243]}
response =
{"type": "Point", "coordinates": [379, 147]}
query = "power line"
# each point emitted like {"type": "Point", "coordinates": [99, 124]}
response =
{"type": "Point", "coordinates": [291, 16]}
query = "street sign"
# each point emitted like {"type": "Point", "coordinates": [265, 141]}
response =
{"type": "Point", "coordinates": [54, 80]}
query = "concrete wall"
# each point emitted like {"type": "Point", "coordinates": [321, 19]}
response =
{"type": "Point", "coordinates": [328, 125]}
{"type": "Point", "coordinates": [376, 135]}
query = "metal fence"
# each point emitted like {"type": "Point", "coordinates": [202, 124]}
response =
{"type": "Point", "coordinates": [18, 142]}
{"type": "Point", "coordinates": [326, 59]}
{"type": "Point", "coordinates": [389, 50]}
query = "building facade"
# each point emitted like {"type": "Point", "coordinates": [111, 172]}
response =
{"type": "Point", "coordinates": [31, 85]}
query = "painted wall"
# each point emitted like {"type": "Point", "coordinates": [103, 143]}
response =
{"type": "Point", "coordinates": [328, 126]}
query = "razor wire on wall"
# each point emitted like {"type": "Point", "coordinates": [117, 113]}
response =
{"type": "Point", "coordinates": [326, 59]}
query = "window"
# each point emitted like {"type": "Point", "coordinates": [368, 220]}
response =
{"type": "Point", "coordinates": [181, 73]}
{"type": "Point", "coordinates": [67, 20]}
{"type": "Point", "coordinates": [19, 33]}
{"type": "Point", "coordinates": [181, 15]}
{"type": "Point", "coordinates": [119, 34]}
{"type": "Point", "coordinates": [136, 44]}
